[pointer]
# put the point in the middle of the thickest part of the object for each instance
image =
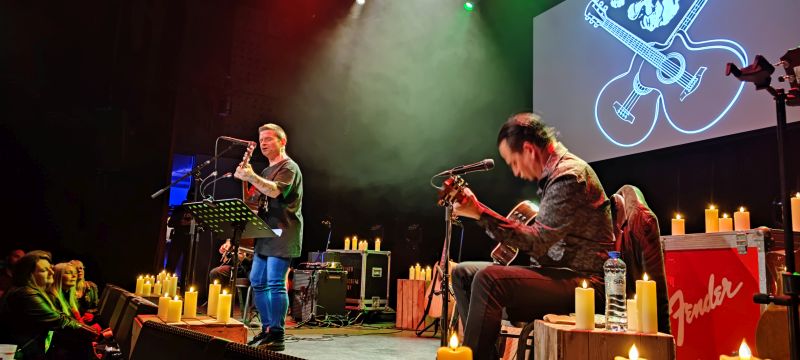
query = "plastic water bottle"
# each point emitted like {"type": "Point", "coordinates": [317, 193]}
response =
{"type": "Point", "coordinates": [614, 268]}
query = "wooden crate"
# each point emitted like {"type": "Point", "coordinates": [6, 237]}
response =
{"type": "Point", "coordinates": [411, 303]}
{"type": "Point", "coordinates": [563, 342]}
{"type": "Point", "coordinates": [233, 330]}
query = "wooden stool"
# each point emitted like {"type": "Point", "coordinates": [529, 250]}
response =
{"type": "Point", "coordinates": [564, 342]}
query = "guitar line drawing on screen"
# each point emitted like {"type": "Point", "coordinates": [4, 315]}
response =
{"type": "Point", "coordinates": [679, 79]}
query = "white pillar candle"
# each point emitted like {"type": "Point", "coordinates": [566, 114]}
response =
{"type": "Point", "coordinates": [163, 307]}
{"type": "Point", "coordinates": [190, 303]}
{"type": "Point", "coordinates": [173, 284]}
{"type": "Point", "coordinates": [678, 225]}
{"type": "Point", "coordinates": [427, 273]}
{"type": "Point", "coordinates": [584, 307]}
{"type": "Point", "coordinates": [146, 288]}
{"type": "Point", "coordinates": [418, 272]}
{"type": "Point", "coordinates": [347, 243]}
{"type": "Point", "coordinates": [633, 315]}
{"type": "Point", "coordinates": [646, 302]}
{"type": "Point", "coordinates": [377, 244]}
{"type": "Point", "coordinates": [174, 310]}
{"type": "Point", "coordinates": [224, 307]}
{"type": "Point", "coordinates": [741, 220]}
{"type": "Point", "coordinates": [410, 273]}
{"type": "Point", "coordinates": [139, 284]}
{"type": "Point", "coordinates": [725, 223]}
{"type": "Point", "coordinates": [213, 296]}
{"type": "Point", "coordinates": [712, 222]}
{"type": "Point", "coordinates": [157, 289]}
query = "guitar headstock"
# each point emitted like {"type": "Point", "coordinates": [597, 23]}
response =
{"type": "Point", "coordinates": [595, 12]}
{"type": "Point", "coordinates": [451, 190]}
{"type": "Point", "coordinates": [249, 152]}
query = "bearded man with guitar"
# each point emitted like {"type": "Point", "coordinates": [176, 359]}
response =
{"type": "Point", "coordinates": [567, 241]}
{"type": "Point", "coordinates": [280, 189]}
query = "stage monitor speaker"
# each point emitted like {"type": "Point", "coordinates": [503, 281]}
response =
{"type": "Point", "coordinates": [111, 305]}
{"type": "Point", "coordinates": [122, 331]}
{"type": "Point", "coordinates": [159, 341]}
{"type": "Point", "coordinates": [237, 351]}
{"type": "Point", "coordinates": [318, 293]}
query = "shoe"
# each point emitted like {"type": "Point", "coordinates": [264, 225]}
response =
{"type": "Point", "coordinates": [273, 342]}
{"type": "Point", "coordinates": [257, 339]}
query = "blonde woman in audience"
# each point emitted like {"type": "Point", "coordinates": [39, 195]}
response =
{"type": "Point", "coordinates": [86, 291]}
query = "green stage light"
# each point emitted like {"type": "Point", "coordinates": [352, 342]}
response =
{"type": "Point", "coordinates": [469, 6]}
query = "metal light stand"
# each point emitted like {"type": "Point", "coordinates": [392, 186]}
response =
{"type": "Point", "coordinates": [760, 73]}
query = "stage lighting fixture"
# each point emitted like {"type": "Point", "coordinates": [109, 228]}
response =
{"type": "Point", "coordinates": [469, 5]}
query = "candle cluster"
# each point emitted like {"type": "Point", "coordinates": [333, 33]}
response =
{"type": "Point", "coordinates": [714, 223]}
{"type": "Point", "coordinates": [641, 310]}
{"type": "Point", "coordinates": [219, 303]}
{"type": "Point", "coordinates": [417, 272]}
{"type": "Point", "coordinates": [156, 285]}
{"type": "Point", "coordinates": [355, 243]}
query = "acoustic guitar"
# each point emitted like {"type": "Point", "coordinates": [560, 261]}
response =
{"type": "Point", "coordinates": [253, 198]}
{"type": "Point", "coordinates": [523, 213]}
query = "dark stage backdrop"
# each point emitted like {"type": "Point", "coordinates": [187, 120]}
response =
{"type": "Point", "coordinates": [375, 99]}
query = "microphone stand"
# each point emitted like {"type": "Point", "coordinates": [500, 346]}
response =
{"type": "Point", "coordinates": [760, 73]}
{"type": "Point", "coordinates": [444, 287]}
{"type": "Point", "coordinates": [193, 226]}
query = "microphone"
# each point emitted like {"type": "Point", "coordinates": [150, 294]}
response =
{"type": "Point", "coordinates": [483, 165]}
{"type": "Point", "coordinates": [237, 141]}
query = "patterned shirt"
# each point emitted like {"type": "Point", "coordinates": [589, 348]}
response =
{"type": "Point", "coordinates": [573, 227]}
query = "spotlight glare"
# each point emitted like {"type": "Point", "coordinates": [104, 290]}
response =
{"type": "Point", "coordinates": [469, 6]}
{"type": "Point", "coordinates": [360, 2]}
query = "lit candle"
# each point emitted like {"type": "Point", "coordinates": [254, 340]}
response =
{"type": "Point", "coordinates": [633, 315]}
{"type": "Point", "coordinates": [364, 245]}
{"type": "Point", "coordinates": [377, 244]}
{"type": "Point", "coordinates": [224, 307]}
{"type": "Point", "coordinates": [347, 243]}
{"type": "Point", "coordinates": [712, 224]}
{"type": "Point", "coordinates": [213, 296]}
{"type": "Point", "coordinates": [139, 284]}
{"type": "Point", "coordinates": [678, 225]}
{"type": "Point", "coordinates": [744, 353]}
{"type": "Point", "coordinates": [725, 223]}
{"type": "Point", "coordinates": [418, 272]}
{"type": "Point", "coordinates": [410, 273]}
{"type": "Point", "coordinates": [584, 307]}
{"type": "Point", "coordinates": [633, 354]}
{"type": "Point", "coordinates": [190, 303]}
{"type": "Point", "coordinates": [146, 288]}
{"type": "Point", "coordinates": [454, 352]}
{"type": "Point", "coordinates": [741, 220]}
{"type": "Point", "coordinates": [163, 307]}
{"type": "Point", "coordinates": [646, 302]}
{"type": "Point", "coordinates": [157, 289]}
{"type": "Point", "coordinates": [174, 311]}
{"type": "Point", "coordinates": [795, 201]}
{"type": "Point", "coordinates": [173, 284]}
{"type": "Point", "coordinates": [427, 273]}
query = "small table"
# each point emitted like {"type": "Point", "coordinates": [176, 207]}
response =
{"type": "Point", "coordinates": [233, 330]}
{"type": "Point", "coordinates": [564, 342]}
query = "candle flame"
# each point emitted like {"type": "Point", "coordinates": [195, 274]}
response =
{"type": "Point", "coordinates": [216, 282]}
{"type": "Point", "coordinates": [584, 284]}
{"type": "Point", "coordinates": [225, 292]}
{"type": "Point", "coordinates": [166, 295]}
{"type": "Point", "coordinates": [744, 350]}
{"type": "Point", "coordinates": [140, 276]}
{"type": "Point", "coordinates": [633, 354]}
{"type": "Point", "coordinates": [176, 298]}
{"type": "Point", "coordinates": [797, 195]}
{"type": "Point", "coordinates": [724, 216]}
{"type": "Point", "coordinates": [191, 289]}
{"type": "Point", "coordinates": [645, 278]}
{"type": "Point", "coordinates": [678, 216]}
{"type": "Point", "coordinates": [711, 207]}
{"type": "Point", "coordinates": [147, 282]}
{"type": "Point", "coordinates": [741, 209]}
{"type": "Point", "coordinates": [453, 341]}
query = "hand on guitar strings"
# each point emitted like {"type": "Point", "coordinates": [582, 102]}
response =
{"type": "Point", "coordinates": [244, 172]}
{"type": "Point", "coordinates": [468, 205]}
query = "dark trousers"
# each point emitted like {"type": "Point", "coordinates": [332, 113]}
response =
{"type": "Point", "coordinates": [483, 290]}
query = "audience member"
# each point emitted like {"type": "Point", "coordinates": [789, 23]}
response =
{"type": "Point", "coordinates": [6, 272]}
{"type": "Point", "coordinates": [86, 291]}
{"type": "Point", "coordinates": [66, 345]}
{"type": "Point", "coordinates": [28, 316]}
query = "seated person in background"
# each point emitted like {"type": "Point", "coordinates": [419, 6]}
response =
{"type": "Point", "coordinates": [65, 345]}
{"type": "Point", "coordinates": [222, 273]}
{"type": "Point", "coordinates": [6, 272]}
{"type": "Point", "coordinates": [568, 241]}
{"type": "Point", "coordinates": [28, 316]}
{"type": "Point", "coordinates": [86, 291]}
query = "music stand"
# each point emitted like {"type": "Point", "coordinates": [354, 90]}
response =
{"type": "Point", "coordinates": [232, 219]}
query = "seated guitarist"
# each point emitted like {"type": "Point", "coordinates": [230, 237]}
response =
{"type": "Point", "coordinates": [567, 242]}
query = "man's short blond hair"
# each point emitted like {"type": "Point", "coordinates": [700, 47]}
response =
{"type": "Point", "coordinates": [274, 127]}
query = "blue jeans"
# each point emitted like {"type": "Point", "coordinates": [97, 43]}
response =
{"type": "Point", "coordinates": [268, 279]}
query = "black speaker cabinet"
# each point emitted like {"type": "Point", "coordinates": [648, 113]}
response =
{"type": "Point", "coordinates": [318, 293]}
{"type": "Point", "coordinates": [367, 277]}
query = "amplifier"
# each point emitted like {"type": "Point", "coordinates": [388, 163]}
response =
{"type": "Point", "coordinates": [318, 293]}
{"type": "Point", "coordinates": [367, 276]}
